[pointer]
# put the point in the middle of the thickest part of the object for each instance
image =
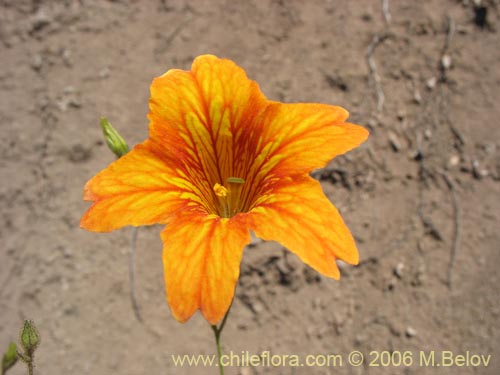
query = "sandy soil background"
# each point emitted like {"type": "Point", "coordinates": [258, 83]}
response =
{"type": "Point", "coordinates": [421, 196]}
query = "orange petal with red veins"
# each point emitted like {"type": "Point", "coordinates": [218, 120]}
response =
{"type": "Point", "coordinates": [202, 117]}
{"type": "Point", "coordinates": [137, 189]}
{"type": "Point", "coordinates": [301, 137]}
{"type": "Point", "coordinates": [297, 214]}
{"type": "Point", "coordinates": [201, 260]}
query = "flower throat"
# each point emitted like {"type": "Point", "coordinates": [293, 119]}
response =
{"type": "Point", "coordinates": [228, 196]}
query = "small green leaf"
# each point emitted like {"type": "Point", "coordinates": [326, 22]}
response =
{"type": "Point", "coordinates": [9, 358]}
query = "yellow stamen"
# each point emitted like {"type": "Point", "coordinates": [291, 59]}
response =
{"type": "Point", "coordinates": [229, 198]}
{"type": "Point", "coordinates": [220, 190]}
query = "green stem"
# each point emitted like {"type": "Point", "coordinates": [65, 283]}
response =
{"type": "Point", "coordinates": [28, 359]}
{"type": "Point", "coordinates": [30, 367]}
{"type": "Point", "coordinates": [217, 334]}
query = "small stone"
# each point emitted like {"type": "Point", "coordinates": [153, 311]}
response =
{"type": "Point", "coordinates": [401, 114]}
{"type": "Point", "coordinates": [37, 62]}
{"type": "Point", "coordinates": [394, 142]}
{"type": "Point", "coordinates": [417, 97]}
{"type": "Point", "coordinates": [104, 73]}
{"type": "Point", "coordinates": [67, 252]}
{"type": "Point", "coordinates": [372, 123]}
{"type": "Point", "coordinates": [258, 307]}
{"type": "Point", "coordinates": [419, 277]}
{"type": "Point", "coordinates": [454, 161]}
{"type": "Point", "coordinates": [66, 56]}
{"type": "Point", "coordinates": [410, 332]}
{"type": "Point", "coordinates": [360, 339]}
{"type": "Point", "coordinates": [478, 172]}
{"type": "Point", "coordinates": [69, 90]}
{"type": "Point", "coordinates": [431, 83]}
{"type": "Point", "coordinates": [398, 270]}
{"type": "Point", "coordinates": [446, 62]}
{"type": "Point", "coordinates": [41, 20]}
{"type": "Point", "coordinates": [489, 148]}
{"type": "Point", "coordinates": [427, 133]}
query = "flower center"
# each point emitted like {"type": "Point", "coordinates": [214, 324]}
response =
{"type": "Point", "coordinates": [228, 196]}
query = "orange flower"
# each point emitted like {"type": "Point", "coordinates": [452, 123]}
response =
{"type": "Point", "coordinates": [222, 160]}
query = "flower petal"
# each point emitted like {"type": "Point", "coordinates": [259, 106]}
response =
{"type": "Point", "coordinates": [200, 117]}
{"type": "Point", "coordinates": [137, 189]}
{"type": "Point", "coordinates": [296, 213]}
{"type": "Point", "coordinates": [302, 137]}
{"type": "Point", "coordinates": [201, 259]}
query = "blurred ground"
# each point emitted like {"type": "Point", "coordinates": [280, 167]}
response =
{"type": "Point", "coordinates": [421, 196]}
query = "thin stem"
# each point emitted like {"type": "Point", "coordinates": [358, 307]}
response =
{"type": "Point", "coordinates": [223, 323]}
{"type": "Point", "coordinates": [131, 272]}
{"type": "Point", "coordinates": [217, 334]}
{"type": "Point", "coordinates": [29, 364]}
{"type": "Point", "coordinates": [28, 359]}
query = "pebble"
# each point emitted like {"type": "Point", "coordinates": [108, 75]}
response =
{"type": "Point", "coordinates": [446, 62]}
{"type": "Point", "coordinates": [359, 339]}
{"type": "Point", "coordinates": [372, 123]}
{"type": "Point", "coordinates": [478, 172]}
{"type": "Point", "coordinates": [489, 148]}
{"type": "Point", "coordinates": [454, 160]}
{"type": "Point", "coordinates": [417, 97]}
{"type": "Point", "coordinates": [69, 99]}
{"type": "Point", "coordinates": [37, 62]}
{"type": "Point", "coordinates": [69, 90]}
{"type": "Point", "coordinates": [41, 20]}
{"type": "Point", "coordinates": [394, 141]}
{"type": "Point", "coordinates": [104, 73]}
{"type": "Point", "coordinates": [398, 270]}
{"type": "Point", "coordinates": [410, 332]}
{"type": "Point", "coordinates": [431, 83]}
{"type": "Point", "coordinates": [258, 307]}
{"type": "Point", "coordinates": [66, 56]}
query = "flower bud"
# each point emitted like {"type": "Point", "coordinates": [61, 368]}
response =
{"type": "Point", "coordinates": [9, 358]}
{"type": "Point", "coordinates": [114, 140]}
{"type": "Point", "coordinates": [30, 338]}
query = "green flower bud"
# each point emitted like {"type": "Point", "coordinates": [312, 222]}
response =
{"type": "Point", "coordinates": [114, 140]}
{"type": "Point", "coordinates": [9, 358]}
{"type": "Point", "coordinates": [30, 338]}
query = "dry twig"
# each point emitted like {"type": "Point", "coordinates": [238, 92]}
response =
{"type": "Point", "coordinates": [385, 11]}
{"type": "Point", "coordinates": [445, 60]}
{"type": "Point", "coordinates": [450, 32]}
{"type": "Point", "coordinates": [376, 40]}
{"type": "Point", "coordinates": [457, 226]}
